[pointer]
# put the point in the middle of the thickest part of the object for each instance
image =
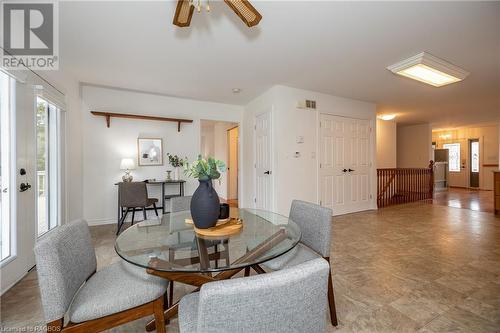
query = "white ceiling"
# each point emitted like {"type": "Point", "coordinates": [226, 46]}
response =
{"type": "Point", "coordinates": [332, 47]}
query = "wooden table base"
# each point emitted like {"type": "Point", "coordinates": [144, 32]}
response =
{"type": "Point", "coordinates": [199, 279]}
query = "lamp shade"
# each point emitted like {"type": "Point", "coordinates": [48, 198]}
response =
{"type": "Point", "coordinates": [127, 164]}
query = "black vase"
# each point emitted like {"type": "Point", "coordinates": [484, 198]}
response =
{"type": "Point", "coordinates": [205, 205]}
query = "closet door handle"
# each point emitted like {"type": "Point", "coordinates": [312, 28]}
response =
{"type": "Point", "coordinates": [350, 170]}
{"type": "Point", "coordinates": [345, 170]}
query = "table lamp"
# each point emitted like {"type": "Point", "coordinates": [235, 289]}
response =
{"type": "Point", "coordinates": [127, 164]}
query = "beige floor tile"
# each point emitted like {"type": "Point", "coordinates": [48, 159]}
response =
{"type": "Point", "coordinates": [410, 268]}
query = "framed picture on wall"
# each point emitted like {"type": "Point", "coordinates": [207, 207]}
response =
{"type": "Point", "coordinates": [150, 151]}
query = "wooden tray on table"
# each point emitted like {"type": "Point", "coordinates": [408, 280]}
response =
{"type": "Point", "coordinates": [222, 228]}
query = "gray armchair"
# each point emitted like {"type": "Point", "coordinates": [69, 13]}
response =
{"type": "Point", "coordinates": [315, 223]}
{"type": "Point", "coordinates": [290, 300]}
{"type": "Point", "coordinates": [94, 301]}
{"type": "Point", "coordinates": [179, 204]}
{"type": "Point", "coordinates": [134, 195]}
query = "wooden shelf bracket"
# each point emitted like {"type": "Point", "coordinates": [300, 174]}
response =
{"type": "Point", "coordinates": [109, 115]}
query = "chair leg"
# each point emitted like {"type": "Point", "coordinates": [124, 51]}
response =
{"type": "Point", "coordinates": [171, 293]}
{"type": "Point", "coordinates": [331, 298]}
{"type": "Point", "coordinates": [133, 215]}
{"type": "Point", "coordinates": [156, 210]}
{"type": "Point", "coordinates": [247, 271]}
{"type": "Point", "coordinates": [120, 224]}
{"type": "Point", "coordinates": [216, 250]}
{"type": "Point", "coordinates": [144, 212]}
{"type": "Point", "coordinates": [171, 256]}
{"type": "Point", "coordinates": [158, 314]}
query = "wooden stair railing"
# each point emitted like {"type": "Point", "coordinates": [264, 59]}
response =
{"type": "Point", "coordinates": [403, 185]}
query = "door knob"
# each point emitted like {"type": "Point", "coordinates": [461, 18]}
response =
{"type": "Point", "coordinates": [267, 172]}
{"type": "Point", "coordinates": [345, 170]}
{"type": "Point", "coordinates": [350, 170]}
{"type": "Point", "coordinates": [24, 187]}
{"type": "Point", "coordinates": [5, 190]}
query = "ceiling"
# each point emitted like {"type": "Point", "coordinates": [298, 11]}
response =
{"type": "Point", "coordinates": [339, 48]}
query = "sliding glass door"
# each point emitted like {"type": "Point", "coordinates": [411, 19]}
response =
{"type": "Point", "coordinates": [47, 166]}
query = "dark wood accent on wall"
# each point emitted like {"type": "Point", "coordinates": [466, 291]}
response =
{"type": "Point", "coordinates": [109, 115]}
{"type": "Point", "coordinates": [402, 185]}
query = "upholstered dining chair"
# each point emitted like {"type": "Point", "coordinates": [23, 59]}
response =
{"type": "Point", "coordinates": [179, 204]}
{"type": "Point", "coordinates": [289, 300]}
{"type": "Point", "coordinates": [94, 301]}
{"type": "Point", "coordinates": [134, 195]}
{"type": "Point", "coordinates": [315, 223]}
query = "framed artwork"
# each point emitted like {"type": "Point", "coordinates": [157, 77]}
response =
{"type": "Point", "coordinates": [150, 151]}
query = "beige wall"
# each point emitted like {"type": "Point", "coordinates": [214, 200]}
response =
{"type": "Point", "coordinates": [488, 154]}
{"type": "Point", "coordinates": [386, 144]}
{"type": "Point", "coordinates": [414, 146]}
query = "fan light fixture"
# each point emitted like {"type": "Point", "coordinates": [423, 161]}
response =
{"type": "Point", "coordinates": [426, 68]}
{"type": "Point", "coordinates": [387, 116]}
{"type": "Point", "coordinates": [243, 8]}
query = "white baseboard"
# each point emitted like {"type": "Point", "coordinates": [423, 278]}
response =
{"type": "Point", "coordinates": [95, 222]}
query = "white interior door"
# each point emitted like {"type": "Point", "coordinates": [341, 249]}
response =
{"type": "Point", "coordinates": [345, 164]}
{"type": "Point", "coordinates": [263, 162]}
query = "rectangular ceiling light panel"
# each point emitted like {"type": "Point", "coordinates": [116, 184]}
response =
{"type": "Point", "coordinates": [429, 69]}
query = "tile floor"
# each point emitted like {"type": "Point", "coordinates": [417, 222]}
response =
{"type": "Point", "coordinates": [409, 268]}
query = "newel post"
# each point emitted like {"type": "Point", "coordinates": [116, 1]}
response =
{"type": "Point", "coordinates": [431, 179]}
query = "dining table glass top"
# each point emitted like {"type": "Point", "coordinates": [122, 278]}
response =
{"type": "Point", "coordinates": [171, 244]}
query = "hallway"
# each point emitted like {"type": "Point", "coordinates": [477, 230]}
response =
{"type": "Point", "coordinates": [477, 200]}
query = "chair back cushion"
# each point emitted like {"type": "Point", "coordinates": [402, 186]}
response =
{"type": "Point", "coordinates": [290, 300]}
{"type": "Point", "coordinates": [133, 194]}
{"type": "Point", "coordinates": [65, 258]}
{"type": "Point", "coordinates": [315, 223]}
{"type": "Point", "coordinates": [179, 204]}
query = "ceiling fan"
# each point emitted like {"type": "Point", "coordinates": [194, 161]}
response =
{"type": "Point", "coordinates": [243, 8]}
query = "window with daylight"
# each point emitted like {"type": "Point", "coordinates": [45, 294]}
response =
{"type": "Point", "coordinates": [6, 134]}
{"type": "Point", "coordinates": [474, 146]}
{"type": "Point", "coordinates": [453, 156]}
{"type": "Point", "coordinates": [47, 165]}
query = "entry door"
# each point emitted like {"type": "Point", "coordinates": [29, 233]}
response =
{"type": "Point", "coordinates": [263, 162]}
{"type": "Point", "coordinates": [344, 164]}
{"type": "Point", "coordinates": [22, 214]}
{"type": "Point", "coordinates": [474, 162]}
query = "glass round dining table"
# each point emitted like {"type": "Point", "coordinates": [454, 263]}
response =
{"type": "Point", "coordinates": [170, 248]}
{"type": "Point", "coordinates": [170, 244]}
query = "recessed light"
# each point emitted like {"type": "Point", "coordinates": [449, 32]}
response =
{"type": "Point", "coordinates": [236, 90]}
{"type": "Point", "coordinates": [426, 68]}
{"type": "Point", "coordinates": [387, 116]}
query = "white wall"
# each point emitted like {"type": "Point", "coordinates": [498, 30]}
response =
{"type": "Point", "coordinates": [296, 178]}
{"type": "Point", "coordinates": [386, 144]}
{"type": "Point", "coordinates": [414, 146]}
{"type": "Point", "coordinates": [104, 147]}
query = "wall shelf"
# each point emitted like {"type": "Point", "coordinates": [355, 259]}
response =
{"type": "Point", "coordinates": [109, 115]}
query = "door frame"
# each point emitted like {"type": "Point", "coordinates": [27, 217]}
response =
{"type": "Point", "coordinates": [373, 167]}
{"type": "Point", "coordinates": [271, 112]}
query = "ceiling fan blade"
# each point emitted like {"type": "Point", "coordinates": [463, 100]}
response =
{"type": "Point", "coordinates": [245, 10]}
{"type": "Point", "coordinates": [183, 13]}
